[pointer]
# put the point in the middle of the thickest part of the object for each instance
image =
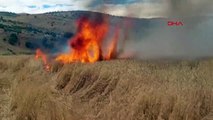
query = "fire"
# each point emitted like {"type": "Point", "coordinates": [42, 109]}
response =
{"type": "Point", "coordinates": [40, 54]}
{"type": "Point", "coordinates": [87, 45]}
{"type": "Point", "coordinates": [113, 46]}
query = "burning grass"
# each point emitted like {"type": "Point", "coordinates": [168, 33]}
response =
{"type": "Point", "coordinates": [89, 45]}
{"type": "Point", "coordinates": [117, 90]}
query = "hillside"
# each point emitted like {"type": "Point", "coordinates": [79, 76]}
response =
{"type": "Point", "coordinates": [107, 90]}
{"type": "Point", "coordinates": [32, 31]}
{"type": "Point", "coordinates": [23, 33]}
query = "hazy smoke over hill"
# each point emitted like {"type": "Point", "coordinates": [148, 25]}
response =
{"type": "Point", "coordinates": [189, 7]}
{"type": "Point", "coordinates": [193, 40]}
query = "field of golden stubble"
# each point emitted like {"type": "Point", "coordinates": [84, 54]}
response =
{"type": "Point", "coordinates": [107, 90]}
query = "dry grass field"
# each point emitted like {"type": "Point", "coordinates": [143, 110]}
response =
{"type": "Point", "coordinates": [108, 90]}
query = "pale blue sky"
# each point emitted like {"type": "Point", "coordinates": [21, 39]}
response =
{"type": "Point", "coordinates": [145, 8]}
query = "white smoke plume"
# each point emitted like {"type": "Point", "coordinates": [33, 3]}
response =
{"type": "Point", "coordinates": [191, 41]}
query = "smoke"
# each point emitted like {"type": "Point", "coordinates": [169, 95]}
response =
{"type": "Point", "coordinates": [193, 40]}
{"type": "Point", "coordinates": [153, 38]}
{"type": "Point", "coordinates": [188, 7]}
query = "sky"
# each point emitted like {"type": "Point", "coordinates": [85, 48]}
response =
{"type": "Point", "coordinates": [114, 7]}
{"type": "Point", "coordinates": [134, 8]}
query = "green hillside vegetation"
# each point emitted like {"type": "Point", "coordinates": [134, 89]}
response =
{"type": "Point", "coordinates": [54, 27]}
{"type": "Point", "coordinates": [23, 32]}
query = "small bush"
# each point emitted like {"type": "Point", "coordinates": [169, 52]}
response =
{"type": "Point", "coordinates": [68, 35]}
{"type": "Point", "coordinates": [4, 39]}
{"type": "Point", "coordinates": [47, 43]}
{"type": "Point", "coordinates": [13, 39]}
{"type": "Point", "coordinates": [31, 45]}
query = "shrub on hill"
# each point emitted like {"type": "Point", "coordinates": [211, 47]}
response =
{"type": "Point", "coordinates": [31, 45]}
{"type": "Point", "coordinates": [68, 35]}
{"type": "Point", "coordinates": [47, 43]}
{"type": "Point", "coordinates": [13, 39]}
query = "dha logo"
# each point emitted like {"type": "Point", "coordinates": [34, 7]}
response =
{"type": "Point", "coordinates": [175, 23]}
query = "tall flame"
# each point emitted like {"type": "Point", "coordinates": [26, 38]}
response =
{"type": "Point", "coordinates": [86, 46]}
{"type": "Point", "coordinates": [40, 54]}
{"type": "Point", "coordinates": [111, 53]}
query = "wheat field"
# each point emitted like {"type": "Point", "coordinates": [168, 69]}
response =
{"type": "Point", "coordinates": [107, 90]}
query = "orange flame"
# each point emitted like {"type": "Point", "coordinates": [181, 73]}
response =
{"type": "Point", "coordinates": [40, 54]}
{"type": "Point", "coordinates": [87, 44]}
{"type": "Point", "coordinates": [113, 46]}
